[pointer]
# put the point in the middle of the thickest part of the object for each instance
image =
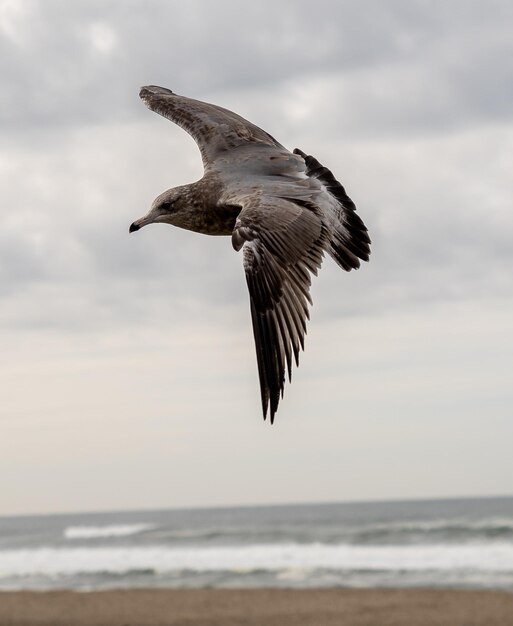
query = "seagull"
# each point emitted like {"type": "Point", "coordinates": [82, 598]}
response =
{"type": "Point", "coordinates": [283, 209]}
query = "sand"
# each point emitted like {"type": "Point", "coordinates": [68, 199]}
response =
{"type": "Point", "coordinates": [257, 607]}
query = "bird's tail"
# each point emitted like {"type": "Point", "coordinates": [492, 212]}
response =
{"type": "Point", "coordinates": [350, 241]}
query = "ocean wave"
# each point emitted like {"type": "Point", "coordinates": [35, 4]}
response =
{"type": "Point", "coordinates": [453, 530]}
{"type": "Point", "coordinates": [483, 524]}
{"type": "Point", "coordinates": [54, 562]}
{"type": "Point", "coordinates": [110, 530]}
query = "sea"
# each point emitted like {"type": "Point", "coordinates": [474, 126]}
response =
{"type": "Point", "coordinates": [458, 543]}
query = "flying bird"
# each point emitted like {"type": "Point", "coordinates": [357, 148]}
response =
{"type": "Point", "coordinates": [283, 209]}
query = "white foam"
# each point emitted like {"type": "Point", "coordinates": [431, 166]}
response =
{"type": "Point", "coordinates": [486, 557]}
{"type": "Point", "coordinates": [111, 530]}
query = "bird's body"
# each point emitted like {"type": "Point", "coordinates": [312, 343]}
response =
{"type": "Point", "coordinates": [283, 209]}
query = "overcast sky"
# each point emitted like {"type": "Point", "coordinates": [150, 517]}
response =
{"type": "Point", "coordinates": [127, 373]}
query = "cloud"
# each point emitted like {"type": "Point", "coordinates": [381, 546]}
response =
{"type": "Point", "coordinates": [404, 65]}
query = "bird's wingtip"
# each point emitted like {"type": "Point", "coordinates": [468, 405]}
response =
{"type": "Point", "coordinates": [271, 417]}
{"type": "Point", "coordinates": [154, 90]}
{"type": "Point", "coordinates": [271, 411]}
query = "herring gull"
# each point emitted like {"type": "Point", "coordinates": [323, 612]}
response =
{"type": "Point", "coordinates": [283, 209]}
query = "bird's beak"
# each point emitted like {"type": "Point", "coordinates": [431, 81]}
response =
{"type": "Point", "coordinates": [138, 224]}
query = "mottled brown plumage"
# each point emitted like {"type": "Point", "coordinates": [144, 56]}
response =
{"type": "Point", "coordinates": [283, 209]}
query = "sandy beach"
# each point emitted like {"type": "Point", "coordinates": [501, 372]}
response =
{"type": "Point", "coordinates": [252, 607]}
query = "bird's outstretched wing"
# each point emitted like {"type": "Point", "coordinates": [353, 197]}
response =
{"type": "Point", "coordinates": [214, 129]}
{"type": "Point", "coordinates": [283, 242]}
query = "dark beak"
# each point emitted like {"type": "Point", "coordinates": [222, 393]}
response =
{"type": "Point", "coordinates": [133, 227]}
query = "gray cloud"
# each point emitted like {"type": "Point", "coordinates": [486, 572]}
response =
{"type": "Point", "coordinates": [430, 65]}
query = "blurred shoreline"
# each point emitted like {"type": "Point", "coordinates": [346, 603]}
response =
{"type": "Point", "coordinates": [252, 607]}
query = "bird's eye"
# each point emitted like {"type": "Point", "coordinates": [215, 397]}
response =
{"type": "Point", "coordinates": [166, 206]}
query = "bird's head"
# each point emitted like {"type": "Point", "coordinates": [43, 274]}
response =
{"type": "Point", "coordinates": [167, 208]}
